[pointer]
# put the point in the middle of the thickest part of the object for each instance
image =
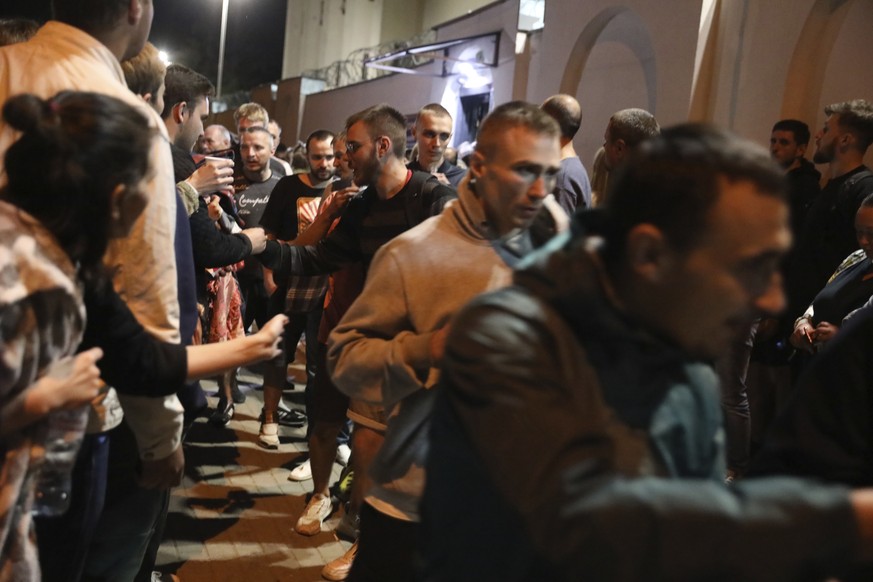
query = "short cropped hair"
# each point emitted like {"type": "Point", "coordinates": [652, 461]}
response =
{"type": "Point", "coordinates": [184, 85]}
{"type": "Point", "coordinates": [434, 109]}
{"type": "Point", "coordinates": [319, 135]}
{"type": "Point", "coordinates": [509, 115]}
{"type": "Point", "coordinates": [145, 72]}
{"type": "Point", "coordinates": [383, 120]}
{"type": "Point", "coordinates": [673, 180]}
{"type": "Point", "coordinates": [566, 111]}
{"type": "Point", "coordinates": [857, 117]}
{"type": "Point", "coordinates": [253, 112]}
{"type": "Point", "coordinates": [633, 126]}
{"type": "Point", "coordinates": [257, 129]}
{"type": "Point", "coordinates": [798, 129]}
{"type": "Point", "coordinates": [15, 30]}
{"type": "Point", "coordinates": [274, 124]}
{"type": "Point", "coordinates": [94, 16]}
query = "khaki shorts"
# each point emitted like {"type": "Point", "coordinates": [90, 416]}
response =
{"type": "Point", "coordinates": [370, 415]}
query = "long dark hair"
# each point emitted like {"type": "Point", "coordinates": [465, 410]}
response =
{"type": "Point", "coordinates": [75, 149]}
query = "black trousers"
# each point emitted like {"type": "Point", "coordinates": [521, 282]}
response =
{"type": "Point", "coordinates": [387, 549]}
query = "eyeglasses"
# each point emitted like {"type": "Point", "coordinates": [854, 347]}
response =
{"type": "Point", "coordinates": [353, 146]}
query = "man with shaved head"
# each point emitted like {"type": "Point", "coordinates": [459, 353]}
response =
{"type": "Point", "coordinates": [572, 188]}
{"type": "Point", "coordinates": [388, 348]}
{"type": "Point", "coordinates": [433, 131]}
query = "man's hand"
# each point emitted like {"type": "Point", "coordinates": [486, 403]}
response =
{"type": "Point", "coordinates": [214, 175]}
{"type": "Point", "coordinates": [214, 207]}
{"type": "Point", "coordinates": [339, 200]}
{"type": "Point", "coordinates": [438, 345]}
{"type": "Point", "coordinates": [825, 332]}
{"type": "Point", "coordinates": [163, 473]}
{"type": "Point", "coordinates": [862, 503]}
{"type": "Point", "coordinates": [442, 178]}
{"type": "Point", "coordinates": [802, 336]}
{"type": "Point", "coordinates": [258, 239]}
{"type": "Point", "coordinates": [269, 282]}
{"type": "Point", "coordinates": [265, 343]}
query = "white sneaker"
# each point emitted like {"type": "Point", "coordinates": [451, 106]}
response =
{"type": "Point", "coordinates": [302, 472]}
{"type": "Point", "coordinates": [268, 436]}
{"type": "Point", "coordinates": [317, 510]}
{"type": "Point", "coordinates": [343, 453]}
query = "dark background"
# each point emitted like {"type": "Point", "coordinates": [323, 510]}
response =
{"type": "Point", "coordinates": [189, 31]}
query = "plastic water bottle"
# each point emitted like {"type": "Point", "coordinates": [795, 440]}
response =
{"type": "Point", "coordinates": [65, 431]}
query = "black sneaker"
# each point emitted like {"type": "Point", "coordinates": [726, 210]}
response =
{"type": "Point", "coordinates": [292, 418]}
{"type": "Point", "coordinates": [237, 395]}
{"type": "Point", "coordinates": [222, 414]}
{"type": "Point", "coordinates": [349, 527]}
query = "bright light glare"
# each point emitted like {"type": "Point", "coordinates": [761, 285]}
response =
{"type": "Point", "coordinates": [165, 58]}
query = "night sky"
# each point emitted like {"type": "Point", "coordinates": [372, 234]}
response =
{"type": "Point", "coordinates": [189, 31]}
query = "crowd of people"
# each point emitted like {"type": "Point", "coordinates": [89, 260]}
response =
{"type": "Point", "coordinates": [662, 372]}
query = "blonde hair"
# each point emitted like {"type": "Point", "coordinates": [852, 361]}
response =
{"type": "Point", "coordinates": [145, 72]}
{"type": "Point", "coordinates": [253, 112]}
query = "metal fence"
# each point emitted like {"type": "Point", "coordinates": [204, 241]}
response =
{"type": "Point", "coordinates": [353, 69]}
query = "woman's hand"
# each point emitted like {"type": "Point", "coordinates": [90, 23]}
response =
{"type": "Point", "coordinates": [72, 384]}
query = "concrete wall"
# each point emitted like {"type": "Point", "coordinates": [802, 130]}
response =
{"type": "Point", "coordinates": [438, 11]}
{"type": "Point", "coordinates": [613, 55]}
{"type": "Point", "coordinates": [319, 32]}
{"type": "Point", "coordinates": [849, 73]}
{"type": "Point", "coordinates": [740, 63]}
{"type": "Point", "coordinates": [406, 93]}
{"type": "Point", "coordinates": [817, 55]}
{"type": "Point", "coordinates": [401, 19]}
{"type": "Point", "coordinates": [744, 65]}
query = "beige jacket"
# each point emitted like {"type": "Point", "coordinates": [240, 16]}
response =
{"type": "Point", "coordinates": [60, 57]}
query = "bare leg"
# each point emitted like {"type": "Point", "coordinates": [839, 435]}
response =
{"type": "Point", "coordinates": [274, 382]}
{"type": "Point", "coordinates": [224, 386]}
{"type": "Point", "coordinates": [365, 444]}
{"type": "Point", "coordinates": [322, 452]}
{"type": "Point", "coordinates": [224, 410]}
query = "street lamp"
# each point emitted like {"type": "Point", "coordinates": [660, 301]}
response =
{"type": "Point", "coordinates": [224, 4]}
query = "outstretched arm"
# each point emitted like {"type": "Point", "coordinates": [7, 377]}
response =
{"type": "Point", "coordinates": [210, 359]}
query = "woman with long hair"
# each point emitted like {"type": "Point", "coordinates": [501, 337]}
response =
{"type": "Point", "coordinates": [73, 183]}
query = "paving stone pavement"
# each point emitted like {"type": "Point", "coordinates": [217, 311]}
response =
{"type": "Point", "coordinates": [232, 517]}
